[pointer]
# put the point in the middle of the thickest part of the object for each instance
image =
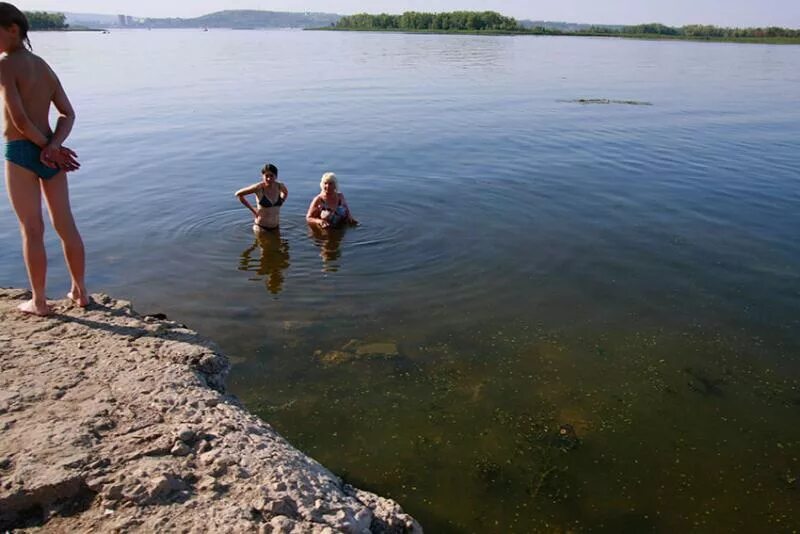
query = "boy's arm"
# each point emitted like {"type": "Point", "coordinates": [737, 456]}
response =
{"type": "Point", "coordinates": [66, 116]}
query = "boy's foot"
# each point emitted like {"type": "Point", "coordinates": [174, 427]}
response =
{"type": "Point", "coordinates": [32, 308]}
{"type": "Point", "coordinates": [79, 298]}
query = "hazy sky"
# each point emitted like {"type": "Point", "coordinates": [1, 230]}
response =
{"type": "Point", "coordinates": [673, 12]}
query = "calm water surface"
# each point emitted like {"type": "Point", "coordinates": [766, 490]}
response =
{"type": "Point", "coordinates": [525, 261]}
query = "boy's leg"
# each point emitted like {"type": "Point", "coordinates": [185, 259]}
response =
{"type": "Point", "coordinates": [56, 193]}
{"type": "Point", "coordinates": [22, 186]}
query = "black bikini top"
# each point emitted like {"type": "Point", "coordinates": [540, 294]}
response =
{"type": "Point", "coordinates": [264, 202]}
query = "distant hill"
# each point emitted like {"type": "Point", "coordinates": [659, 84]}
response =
{"type": "Point", "coordinates": [93, 20]}
{"type": "Point", "coordinates": [237, 19]}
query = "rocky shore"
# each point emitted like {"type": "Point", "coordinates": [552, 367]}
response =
{"type": "Point", "coordinates": [113, 421]}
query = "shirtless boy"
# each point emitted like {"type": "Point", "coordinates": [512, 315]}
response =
{"type": "Point", "coordinates": [36, 163]}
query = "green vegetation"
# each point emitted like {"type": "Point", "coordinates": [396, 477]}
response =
{"type": "Point", "coordinates": [415, 21]}
{"type": "Point", "coordinates": [697, 31]}
{"type": "Point", "coordinates": [41, 20]}
{"type": "Point", "coordinates": [772, 35]}
{"type": "Point", "coordinates": [492, 22]}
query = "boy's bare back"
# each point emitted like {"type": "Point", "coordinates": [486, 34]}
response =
{"type": "Point", "coordinates": [36, 84]}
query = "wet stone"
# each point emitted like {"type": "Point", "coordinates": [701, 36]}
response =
{"type": "Point", "coordinates": [355, 350]}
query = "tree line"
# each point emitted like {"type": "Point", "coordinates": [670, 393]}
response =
{"type": "Point", "coordinates": [492, 21]}
{"type": "Point", "coordinates": [698, 31]}
{"type": "Point", "coordinates": [41, 20]}
{"type": "Point", "coordinates": [413, 20]}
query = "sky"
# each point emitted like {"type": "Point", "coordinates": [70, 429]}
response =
{"type": "Point", "coordinates": [785, 13]}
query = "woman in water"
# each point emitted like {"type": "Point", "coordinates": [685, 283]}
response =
{"type": "Point", "coordinates": [329, 209]}
{"type": "Point", "coordinates": [36, 163]}
{"type": "Point", "coordinates": [270, 196]}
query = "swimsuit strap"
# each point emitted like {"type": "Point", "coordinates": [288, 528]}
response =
{"type": "Point", "coordinates": [338, 202]}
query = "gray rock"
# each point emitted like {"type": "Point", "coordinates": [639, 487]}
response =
{"type": "Point", "coordinates": [180, 449]}
{"type": "Point", "coordinates": [117, 407]}
{"type": "Point", "coordinates": [187, 435]}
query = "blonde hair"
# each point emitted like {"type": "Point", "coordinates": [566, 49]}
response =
{"type": "Point", "coordinates": [328, 177]}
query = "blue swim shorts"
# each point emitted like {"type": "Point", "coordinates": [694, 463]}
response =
{"type": "Point", "coordinates": [26, 154]}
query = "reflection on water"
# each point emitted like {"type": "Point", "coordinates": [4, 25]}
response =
{"type": "Point", "coordinates": [273, 259]}
{"type": "Point", "coordinates": [329, 242]}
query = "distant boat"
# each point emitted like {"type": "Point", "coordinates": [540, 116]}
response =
{"type": "Point", "coordinates": [205, 29]}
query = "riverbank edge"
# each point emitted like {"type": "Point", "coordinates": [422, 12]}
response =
{"type": "Point", "coordinates": [115, 421]}
{"type": "Point", "coordinates": [643, 37]}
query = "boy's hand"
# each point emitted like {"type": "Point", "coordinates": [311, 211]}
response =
{"type": "Point", "coordinates": [60, 157]}
{"type": "Point", "coordinates": [48, 156]}
{"type": "Point", "coordinates": [69, 159]}
{"type": "Point", "coordinates": [66, 160]}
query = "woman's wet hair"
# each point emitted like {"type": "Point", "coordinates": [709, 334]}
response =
{"type": "Point", "coordinates": [329, 177]}
{"type": "Point", "coordinates": [10, 15]}
{"type": "Point", "coordinates": [269, 167]}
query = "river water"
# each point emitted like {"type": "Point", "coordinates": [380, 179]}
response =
{"type": "Point", "coordinates": [573, 300]}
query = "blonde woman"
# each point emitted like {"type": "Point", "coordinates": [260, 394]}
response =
{"type": "Point", "coordinates": [329, 209]}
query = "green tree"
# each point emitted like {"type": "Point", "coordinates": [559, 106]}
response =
{"type": "Point", "coordinates": [41, 20]}
{"type": "Point", "coordinates": [414, 20]}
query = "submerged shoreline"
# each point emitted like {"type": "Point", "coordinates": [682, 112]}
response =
{"type": "Point", "coordinates": [116, 421]}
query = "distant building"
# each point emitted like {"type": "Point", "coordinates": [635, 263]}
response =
{"type": "Point", "coordinates": [122, 21]}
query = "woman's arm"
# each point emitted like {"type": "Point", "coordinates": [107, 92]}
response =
{"type": "Point", "coordinates": [16, 110]}
{"type": "Point", "coordinates": [312, 215]}
{"type": "Point", "coordinates": [242, 195]}
{"type": "Point", "coordinates": [349, 217]}
{"type": "Point", "coordinates": [283, 191]}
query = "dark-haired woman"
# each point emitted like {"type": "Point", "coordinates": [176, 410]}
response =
{"type": "Point", "coordinates": [36, 163]}
{"type": "Point", "coordinates": [270, 195]}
